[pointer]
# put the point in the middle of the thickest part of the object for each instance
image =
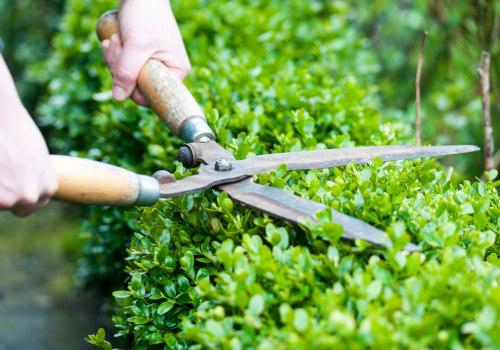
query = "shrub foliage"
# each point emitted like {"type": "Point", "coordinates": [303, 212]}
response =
{"type": "Point", "coordinates": [204, 272]}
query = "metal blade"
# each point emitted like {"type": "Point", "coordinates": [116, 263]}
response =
{"type": "Point", "coordinates": [343, 156]}
{"type": "Point", "coordinates": [195, 183]}
{"type": "Point", "coordinates": [286, 206]}
{"type": "Point", "coordinates": [208, 177]}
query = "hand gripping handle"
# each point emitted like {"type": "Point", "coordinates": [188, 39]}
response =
{"type": "Point", "coordinates": [165, 94]}
{"type": "Point", "coordinates": [90, 182]}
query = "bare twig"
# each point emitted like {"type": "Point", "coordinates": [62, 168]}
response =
{"type": "Point", "coordinates": [484, 77]}
{"type": "Point", "coordinates": [496, 159]}
{"type": "Point", "coordinates": [417, 100]}
{"type": "Point", "coordinates": [448, 177]}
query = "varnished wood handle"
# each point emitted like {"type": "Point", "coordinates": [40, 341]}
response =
{"type": "Point", "coordinates": [90, 182]}
{"type": "Point", "coordinates": [165, 94]}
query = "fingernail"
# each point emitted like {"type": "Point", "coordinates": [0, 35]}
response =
{"type": "Point", "coordinates": [119, 93]}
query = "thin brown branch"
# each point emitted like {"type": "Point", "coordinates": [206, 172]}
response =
{"type": "Point", "coordinates": [496, 159]}
{"type": "Point", "coordinates": [484, 77]}
{"type": "Point", "coordinates": [417, 88]}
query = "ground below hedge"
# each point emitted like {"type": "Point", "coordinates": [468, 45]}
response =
{"type": "Point", "coordinates": [38, 307]}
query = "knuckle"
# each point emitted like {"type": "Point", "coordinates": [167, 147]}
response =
{"type": "Point", "coordinates": [125, 75]}
{"type": "Point", "coordinates": [28, 198]}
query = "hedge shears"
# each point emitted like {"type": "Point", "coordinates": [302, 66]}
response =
{"type": "Point", "coordinates": [90, 182]}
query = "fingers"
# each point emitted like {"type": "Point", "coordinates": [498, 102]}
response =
{"type": "Point", "coordinates": [112, 51]}
{"type": "Point", "coordinates": [139, 98]}
{"type": "Point", "coordinates": [128, 66]}
{"type": "Point", "coordinates": [125, 63]}
{"type": "Point", "coordinates": [31, 197]}
{"type": "Point", "coordinates": [23, 210]}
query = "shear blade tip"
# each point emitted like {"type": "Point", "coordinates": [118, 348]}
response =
{"type": "Point", "coordinates": [469, 148]}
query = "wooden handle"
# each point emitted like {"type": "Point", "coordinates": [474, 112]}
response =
{"type": "Point", "coordinates": [90, 182]}
{"type": "Point", "coordinates": [165, 94]}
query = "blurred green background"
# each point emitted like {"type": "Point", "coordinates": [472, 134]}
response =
{"type": "Point", "coordinates": [385, 63]}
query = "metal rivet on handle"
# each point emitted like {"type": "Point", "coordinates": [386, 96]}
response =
{"type": "Point", "coordinates": [223, 165]}
{"type": "Point", "coordinates": [185, 156]}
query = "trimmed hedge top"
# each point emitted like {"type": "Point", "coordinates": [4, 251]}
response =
{"type": "Point", "coordinates": [203, 272]}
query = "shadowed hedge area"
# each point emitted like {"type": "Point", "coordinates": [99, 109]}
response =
{"type": "Point", "coordinates": [199, 271]}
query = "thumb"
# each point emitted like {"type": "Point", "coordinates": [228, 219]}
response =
{"type": "Point", "coordinates": [127, 71]}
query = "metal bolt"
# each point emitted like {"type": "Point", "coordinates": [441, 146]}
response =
{"type": "Point", "coordinates": [204, 139]}
{"type": "Point", "coordinates": [223, 165]}
{"type": "Point", "coordinates": [185, 156]}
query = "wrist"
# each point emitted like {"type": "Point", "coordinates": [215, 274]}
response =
{"type": "Point", "coordinates": [12, 110]}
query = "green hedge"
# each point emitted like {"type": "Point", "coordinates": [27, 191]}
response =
{"type": "Point", "coordinates": [203, 272]}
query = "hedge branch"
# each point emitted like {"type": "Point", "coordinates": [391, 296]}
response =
{"type": "Point", "coordinates": [496, 158]}
{"type": "Point", "coordinates": [417, 88]}
{"type": "Point", "coordinates": [484, 77]}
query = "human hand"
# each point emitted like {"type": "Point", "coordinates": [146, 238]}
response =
{"type": "Point", "coordinates": [148, 30]}
{"type": "Point", "coordinates": [27, 180]}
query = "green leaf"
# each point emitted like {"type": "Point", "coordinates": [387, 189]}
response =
{"type": "Point", "coordinates": [136, 282]}
{"type": "Point", "coordinates": [359, 200]}
{"type": "Point", "coordinates": [165, 307]}
{"type": "Point", "coordinates": [227, 206]}
{"type": "Point", "coordinates": [281, 171]}
{"type": "Point", "coordinates": [256, 305]}
{"type": "Point", "coordinates": [279, 182]}
{"type": "Point", "coordinates": [188, 259]}
{"type": "Point", "coordinates": [365, 175]}
{"type": "Point", "coordinates": [492, 175]}
{"type": "Point", "coordinates": [187, 202]}
{"type": "Point", "coordinates": [333, 255]}
{"type": "Point", "coordinates": [121, 294]}
{"type": "Point", "coordinates": [215, 329]}
{"type": "Point", "coordinates": [170, 289]}
{"type": "Point", "coordinates": [243, 150]}
{"type": "Point", "coordinates": [377, 162]}
{"type": "Point", "coordinates": [140, 319]}
{"type": "Point", "coordinates": [309, 126]}
{"type": "Point", "coordinates": [301, 320]}
{"type": "Point", "coordinates": [101, 335]}
{"type": "Point", "coordinates": [332, 231]}
{"type": "Point", "coordinates": [183, 283]}
{"type": "Point", "coordinates": [431, 235]}
{"type": "Point", "coordinates": [481, 187]}
{"type": "Point", "coordinates": [202, 274]}
{"type": "Point", "coordinates": [374, 289]}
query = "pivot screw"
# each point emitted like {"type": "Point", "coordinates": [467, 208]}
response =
{"type": "Point", "coordinates": [223, 165]}
{"type": "Point", "coordinates": [185, 156]}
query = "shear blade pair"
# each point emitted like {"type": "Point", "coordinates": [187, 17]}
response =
{"type": "Point", "coordinates": [238, 181]}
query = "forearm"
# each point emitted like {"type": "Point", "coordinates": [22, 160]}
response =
{"type": "Point", "coordinates": [26, 177]}
{"type": "Point", "coordinates": [8, 93]}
